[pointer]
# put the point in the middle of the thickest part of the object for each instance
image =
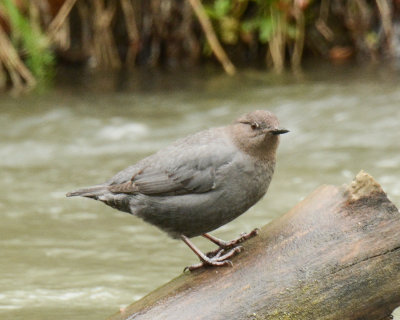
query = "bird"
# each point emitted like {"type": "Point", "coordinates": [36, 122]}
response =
{"type": "Point", "coordinates": [199, 183]}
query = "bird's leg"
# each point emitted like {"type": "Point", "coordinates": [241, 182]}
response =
{"type": "Point", "coordinates": [226, 245]}
{"type": "Point", "coordinates": [201, 264]}
{"type": "Point", "coordinates": [218, 260]}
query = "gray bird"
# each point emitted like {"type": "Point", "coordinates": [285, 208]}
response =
{"type": "Point", "coordinates": [199, 183]}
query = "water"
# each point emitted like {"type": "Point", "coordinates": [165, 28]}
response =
{"type": "Point", "coordinates": [78, 259]}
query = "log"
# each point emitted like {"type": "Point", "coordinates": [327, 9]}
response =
{"type": "Point", "coordinates": [335, 255]}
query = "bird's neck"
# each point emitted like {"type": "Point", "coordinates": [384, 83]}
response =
{"type": "Point", "coordinates": [264, 149]}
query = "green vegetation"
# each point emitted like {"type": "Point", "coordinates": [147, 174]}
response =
{"type": "Point", "coordinates": [114, 34]}
{"type": "Point", "coordinates": [32, 44]}
{"type": "Point", "coordinates": [278, 24]}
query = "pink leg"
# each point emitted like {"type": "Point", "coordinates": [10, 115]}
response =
{"type": "Point", "coordinates": [218, 260]}
{"type": "Point", "coordinates": [226, 245]}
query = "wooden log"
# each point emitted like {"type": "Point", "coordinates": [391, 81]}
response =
{"type": "Point", "coordinates": [336, 255]}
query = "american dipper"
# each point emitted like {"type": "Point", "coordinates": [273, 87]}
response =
{"type": "Point", "coordinates": [199, 183]}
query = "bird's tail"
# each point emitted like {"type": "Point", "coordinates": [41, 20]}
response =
{"type": "Point", "coordinates": [90, 192]}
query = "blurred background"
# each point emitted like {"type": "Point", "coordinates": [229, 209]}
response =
{"type": "Point", "coordinates": [90, 87]}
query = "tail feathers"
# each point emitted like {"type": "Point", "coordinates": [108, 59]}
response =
{"type": "Point", "coordinates": [90, 192]}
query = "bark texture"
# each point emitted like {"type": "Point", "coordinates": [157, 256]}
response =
{"type": "Point", "coordinates": [335, 255]}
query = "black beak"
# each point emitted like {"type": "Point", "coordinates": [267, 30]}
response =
{"type": "Point", "coordinates": [279, 131]}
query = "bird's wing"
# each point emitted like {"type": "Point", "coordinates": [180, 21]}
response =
{"type": "Point", "coordinates": [177, 171]}
{"type": "Point", "coordinates": [182, 181]}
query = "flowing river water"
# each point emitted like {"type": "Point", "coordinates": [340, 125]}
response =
{"type": "Point", "coordinates": [79, 259]}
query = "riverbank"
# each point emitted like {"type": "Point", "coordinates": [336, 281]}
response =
{"type": "Point", "coordinates": [38, 37]}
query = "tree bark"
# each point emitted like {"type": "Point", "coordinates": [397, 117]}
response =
{"type": "Point", "coordinates": [335, 255]}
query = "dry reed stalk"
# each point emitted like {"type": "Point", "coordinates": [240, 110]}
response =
{"type": "Point", "coordinates": [20, 76]}
{"type": "Point", "coordinates": [212, 38]}
{"type": "Point", "coordinates": [104, 49]}
{"type": "Point", "coordinates": [299, 41]}
{"type": "Point", "coordinates": [386, 19]}
{"type": "Point", "coordinates": [132, 31]}
{"type": "Point", "coordinates": [60, 18]}
{"type": "Point", "coordinates": [277, 45]}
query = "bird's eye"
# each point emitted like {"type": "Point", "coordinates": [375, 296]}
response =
{"type": "Point", "coordinates": [254, 125]}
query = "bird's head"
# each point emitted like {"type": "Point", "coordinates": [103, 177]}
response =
{"type": "Point", "coordinates": [257, 132]}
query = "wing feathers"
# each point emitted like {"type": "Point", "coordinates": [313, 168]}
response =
{"type": "Point", "coordinates": [189, 166]}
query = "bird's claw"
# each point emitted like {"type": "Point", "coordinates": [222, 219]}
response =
{"type": "Point", "coordinates": [215, 253]}
{"type": "Point", "coordinates": [204, 264]}
{"type": "Point", "coordinates": [244, 236]}
{"type": "Point", "coordinates": [219, 259]}
{"type": "Point", "coordinates": [220, 256]}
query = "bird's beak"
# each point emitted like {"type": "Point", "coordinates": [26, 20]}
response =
{"type": "Point", "coordinates": [278, 131]}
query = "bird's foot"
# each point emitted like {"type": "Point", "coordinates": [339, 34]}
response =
{"type": "Point", "coordinates": [226, 245]}
{"type": "Point", "coordinates": [219, 259]}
